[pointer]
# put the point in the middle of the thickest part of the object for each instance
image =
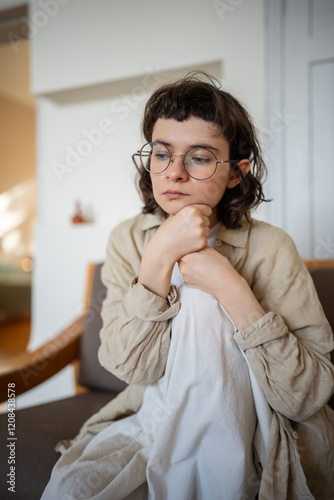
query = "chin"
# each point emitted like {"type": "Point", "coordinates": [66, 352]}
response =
{"type": "Point", "coordinates": [174, 207]}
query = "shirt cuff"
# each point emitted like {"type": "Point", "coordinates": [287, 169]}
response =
{"type": "Point", "coordinates": [148, 306]}
{"type": "Point", "coordinates": [270, 327]}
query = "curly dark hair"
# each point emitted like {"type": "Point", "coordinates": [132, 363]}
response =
{"type": "Point", "coordinates": [199, 95]}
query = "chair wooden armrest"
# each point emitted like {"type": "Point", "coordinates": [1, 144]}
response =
{"type": "Point", "coordinates": [29, 369]}
{"type": "Point", "coordinates": [319, 264]}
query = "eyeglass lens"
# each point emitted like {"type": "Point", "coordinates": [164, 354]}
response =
{"type": "Point", "coordinates": [199, 163]}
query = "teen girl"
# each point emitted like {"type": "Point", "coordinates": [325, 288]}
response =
{"type": "Point", "coordinates": [213, 320]}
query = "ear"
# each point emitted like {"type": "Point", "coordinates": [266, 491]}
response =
{"type": "Point", "coordinates": [234, 179]}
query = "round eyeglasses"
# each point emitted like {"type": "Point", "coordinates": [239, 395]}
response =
{"type": "Point", "coordinates": [200, 163]}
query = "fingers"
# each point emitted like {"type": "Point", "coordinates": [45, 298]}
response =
{"type": "Point", "coordinates": [207, 229]}
{"type": "Point", "coordinates": [189, 257]}
{"type": "Point", "coordinates": [185, 232]}
{"type": "Point", "coordinates": [205, 212]}
{"type": "Point", "coordinates": [204, 209]}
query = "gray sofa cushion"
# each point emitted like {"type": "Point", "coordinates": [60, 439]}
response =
{"type": "Point", "coordinates": [38, 429]}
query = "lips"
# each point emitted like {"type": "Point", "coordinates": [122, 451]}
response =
{"type": "Point", "coordinates": [174, 195]}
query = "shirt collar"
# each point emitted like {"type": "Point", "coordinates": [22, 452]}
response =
{"type": "Point", "coordinates": [149, 221]}
{"type": "Point", "coordinates": [235, 237]}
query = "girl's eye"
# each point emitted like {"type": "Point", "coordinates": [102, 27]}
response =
{"type": "Point", "coordinates": [161, 156]}
{"type": "Point", "coordinates": [199, 160]}
{"type": "Point", "coordinates": [200, 157]}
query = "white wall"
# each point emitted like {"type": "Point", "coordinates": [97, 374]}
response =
{"type": "Point", "coordinates": [109, 40]}
{"type": "Point", "coordinates": [94, 64]}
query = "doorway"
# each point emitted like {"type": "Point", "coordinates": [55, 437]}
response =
{"type": "Point", "coordinates": [300, 61]}
{"type": "Point", "coordinates": [17, 186]}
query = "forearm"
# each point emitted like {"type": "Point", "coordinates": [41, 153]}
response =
{"type": "Point", "coordinates": [155, 271]}
{"type": "Point", "coordinates": [242, 306]}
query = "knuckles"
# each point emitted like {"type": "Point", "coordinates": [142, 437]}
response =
{"type": "Point", "coordinates": [191, 210]}
{"type": "Point", "coordinates": [202, 242]}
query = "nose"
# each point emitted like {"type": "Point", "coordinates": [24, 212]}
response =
{"type": "Point", "coordinates": [176, 170]}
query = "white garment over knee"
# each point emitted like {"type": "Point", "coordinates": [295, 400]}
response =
{"type": "Point", "coordinates": [193, 436]}
{"type": "Point", "coordinates": [203, 448]}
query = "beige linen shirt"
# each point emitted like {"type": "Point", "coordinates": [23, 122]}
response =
{"type": "Point", "coordinates": [287, 349]}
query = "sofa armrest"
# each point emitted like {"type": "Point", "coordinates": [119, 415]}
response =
{"type": "Point", "coordinates": [30, 368]}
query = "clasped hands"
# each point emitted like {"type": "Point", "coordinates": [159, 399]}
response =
{"type": "Point", "coordinates": [183, 238]}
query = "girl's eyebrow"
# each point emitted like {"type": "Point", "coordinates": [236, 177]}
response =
{"type": "Point", "coordinates": [190, 146]}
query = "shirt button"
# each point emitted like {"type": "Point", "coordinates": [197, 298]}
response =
{"type": "Point", "coordinates": [295, 434]}
{"type": "Point", "coordinates": [219, 243]}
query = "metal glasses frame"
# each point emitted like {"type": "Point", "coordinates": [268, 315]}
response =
{"type": "Point", "coordinates": [171, 160]}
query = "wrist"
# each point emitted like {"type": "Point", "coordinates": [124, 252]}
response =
{"type": "Point", "coordinates": [158, 250]}
{"type": "Point", "coordinates": [242, 306]}
{"type": "Point", "coordinates": [155, 275]}
{"type": "Point", "coordinates": [248, 317]}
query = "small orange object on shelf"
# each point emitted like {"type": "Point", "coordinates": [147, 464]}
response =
{"type": "Point", "coordinates": [78, 217]}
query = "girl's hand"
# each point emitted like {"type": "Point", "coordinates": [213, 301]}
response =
{"type": "Point", "coordinates": [211, 272]}
{"type": "Point", "coordinates": [180, 234]}
{"type": "Point", "coordinates": [183, 233]}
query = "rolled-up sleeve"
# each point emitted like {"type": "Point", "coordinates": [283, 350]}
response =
{"type": "Point", "coordinates": [147, 306]}
{"type": "Point", "coordinates": [288, 349]}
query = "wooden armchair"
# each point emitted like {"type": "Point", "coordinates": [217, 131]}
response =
{"type": "Point", "coordinates": [39, 428]}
